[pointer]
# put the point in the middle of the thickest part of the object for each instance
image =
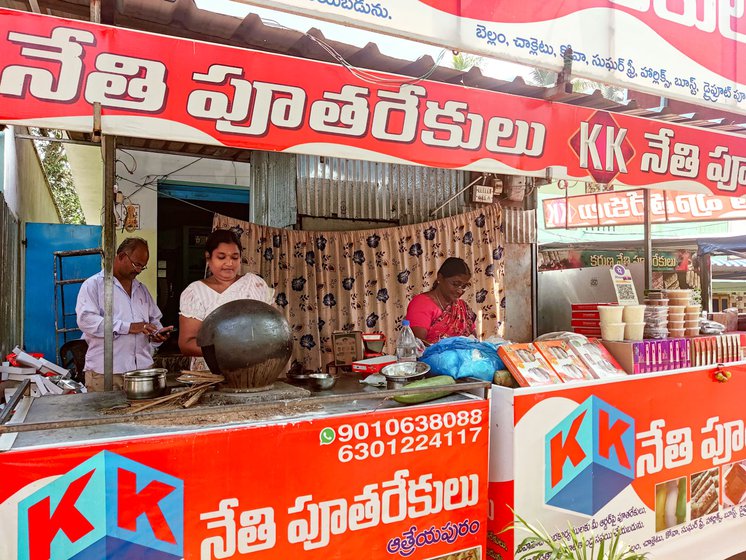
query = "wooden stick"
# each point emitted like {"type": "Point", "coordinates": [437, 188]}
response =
{"type": "Point", "coordinates": [195, 397]}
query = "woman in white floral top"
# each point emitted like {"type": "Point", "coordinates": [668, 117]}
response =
{"type": "Point", "coordinates": [224, 284]}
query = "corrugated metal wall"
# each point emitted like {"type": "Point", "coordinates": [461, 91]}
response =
{"type": "Point", "coordinates": [363, 190]}
{"type": "Point", "coordinates": [273, 200]}
{"type": "Point", "coordinates": [520, 225]}
{"type": "Point", "coordinates": [10, 288]}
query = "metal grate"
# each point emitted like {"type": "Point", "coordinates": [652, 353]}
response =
{"type": "Point", "coordinates": [520, 225]}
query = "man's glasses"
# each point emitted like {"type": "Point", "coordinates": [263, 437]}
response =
{"type": "Point", "coordinates": [136, 266]}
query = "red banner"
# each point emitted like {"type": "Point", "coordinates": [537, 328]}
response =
{"type": "Point", "coordinates": [403, 483]}
{"type": "Point", "coordinates": [624, 208]}
{"type": "Point", "coordinates": [52, 71]}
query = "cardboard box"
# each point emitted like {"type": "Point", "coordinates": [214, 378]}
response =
{"type": "Point", "coordinates": [527, 365]}
{"type": "Point", "coordinates": [347, 347]}
{"type": "Point", "coordinates": [596, 358]}
{"type": "Point", "coordinates": [629, 355]}
{"type": "Point", "coordinates": [647, 356]}
{"type": "Point", "coordinates": [564, 361]}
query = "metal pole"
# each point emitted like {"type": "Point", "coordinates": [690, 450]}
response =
{"type": "Point", "coordinates": [95, 11]}
{"type": "Point", "coordinates": [109, 147]}
{"type": "Point", "coordinates": [648, 242]}
{"type": "Point", "coordinates": [705, 279]}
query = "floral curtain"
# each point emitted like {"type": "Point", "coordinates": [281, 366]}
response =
{"type": "Point", "coordinates": [364, 280]}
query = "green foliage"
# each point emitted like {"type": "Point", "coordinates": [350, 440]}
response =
{"type": "Point", "coordinates": [547, 78]}
{"type": "Point", "coordinates": [540, 544]}
{"type": "Point", "coordinates": [57, 169]}
{"type": "Point", "coordinates": [464, 62]}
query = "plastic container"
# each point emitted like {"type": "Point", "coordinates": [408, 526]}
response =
{"type": "Point", "coordinates": [679, 301]}
{"type": "Point", "coordinates": [612, 331]}
{"type": "Point", "coordinates": [406, 344]}
{"type": "Point", "coordinates": [694, 309]}
{"type": "Point", "coordinates": [676, 317]}
{"type": "Point", "coordinates": [677, 325]}
{"type": "Point", "coordinates": [691, 332]}
{"type": "Point", "coordinates": [676, 309]}
{"type": "Point", "coordinates": [656, 302]}
{"type": "Point", "coordinates": [610, 313]}
{"type": "Point", "coordinates": [633, 331]}
{"type": "Point", "coordinates": [633, 314]}
{"type": "Point", "coordinates": [679, 294]}
{"type": "Point", "coordinates": [655, 333]}
{"type": "Point", "coordinates": [676, 333]}
{"type": "Point", "coordinates": [691, 324]}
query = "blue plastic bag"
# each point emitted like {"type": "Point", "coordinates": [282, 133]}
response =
{"type": "Point", "coordinates": [461, 357]}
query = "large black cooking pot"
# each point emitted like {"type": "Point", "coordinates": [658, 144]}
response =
{"type": "Point", "coordinates": [246, 341]}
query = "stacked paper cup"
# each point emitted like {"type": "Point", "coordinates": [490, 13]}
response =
{"type": "Point", "coordinates": [633, 317]}
{"type": "Point", "coordinates": [683, 317]}
{"type": "Point", "coordinates": [692, 319]}
{"type": "Point", "coordinates": [612, 326]}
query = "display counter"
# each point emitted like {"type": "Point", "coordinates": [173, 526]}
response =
{"type": "Point", "coordinates": [658, 457]}
{"type": "Point", "coordinates": [344, 474]}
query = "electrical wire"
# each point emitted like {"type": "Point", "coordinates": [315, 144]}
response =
{"type": "Point", "coordinates": [363, 75]}
{"type": "Point", "coordinates": [134, 162]}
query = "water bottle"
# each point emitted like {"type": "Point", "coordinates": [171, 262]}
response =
{"type": "Point", "coordinates": [406, 346]}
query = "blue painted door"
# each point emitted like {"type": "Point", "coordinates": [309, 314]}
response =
{"type": "Point", "coordinates": [42, 240]}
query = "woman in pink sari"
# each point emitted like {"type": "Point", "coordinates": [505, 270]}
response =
{"type": "Point", "coordinates": [441, 313]}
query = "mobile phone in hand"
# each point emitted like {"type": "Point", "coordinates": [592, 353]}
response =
{"type": "Point", "coordinates": [165, 330]}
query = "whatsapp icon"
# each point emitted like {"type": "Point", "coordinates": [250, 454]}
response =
{"type": "Point", "coordinates": [327, 436]}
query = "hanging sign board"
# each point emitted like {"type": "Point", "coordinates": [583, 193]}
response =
{"type": "Point", "coordinates": [623, 285]}
{"type": "Point", "coordinates": [52, 71]}
{"type": "Point", "coordinates": [690, 50]}
{"type": "Point", "coordinates": [622, 208]}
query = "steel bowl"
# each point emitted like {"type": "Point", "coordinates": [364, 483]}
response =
{"type": "Point", "coordinates": [400, 374]}
{"type": "Point", "coordinates": [301, 380]}
{"type": "Point", "coordinates": [145, 383]}
{"type": "Point", "coordinates": [321, 381]}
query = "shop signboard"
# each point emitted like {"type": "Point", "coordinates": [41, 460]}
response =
{"type": "Point", "coordinates": [52, 71]}
{"type": "Point", "coordinates": [658, 458]}
{"type": "Point", "coordinates": [624, 208]}
{"type": "Point", "coordinates": [403, 483]}
{"type": "Point", "coordinates": [663, 261]}
{"type": "Point", "coordinates": [684, 50]}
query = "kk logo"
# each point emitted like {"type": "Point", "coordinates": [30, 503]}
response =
{"type": "Point", "coordinates": [108, 507]}
{"type": "Point", "coordinates": [590, 457]}
{"type": "Point", "coordinates": [602, 147]}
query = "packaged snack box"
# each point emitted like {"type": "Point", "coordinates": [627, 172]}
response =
{"type": "Point", "coordinates": [527, 365]}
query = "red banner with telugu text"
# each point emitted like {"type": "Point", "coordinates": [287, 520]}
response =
{"type": "Point", "coordinates": [622, 208]}
{"type": "Point", "coordinates": [52, 71]}
{"type": "Point", "coordinates": [400, 483]}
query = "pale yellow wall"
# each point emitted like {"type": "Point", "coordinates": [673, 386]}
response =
{"type": "Point", "coordinates": [35, 198]}
{"type": "Point", "coordinates": [87, 168]}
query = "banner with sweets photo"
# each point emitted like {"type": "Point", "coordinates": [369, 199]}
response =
{"type": "Point", "coordinates": [658, 458]}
